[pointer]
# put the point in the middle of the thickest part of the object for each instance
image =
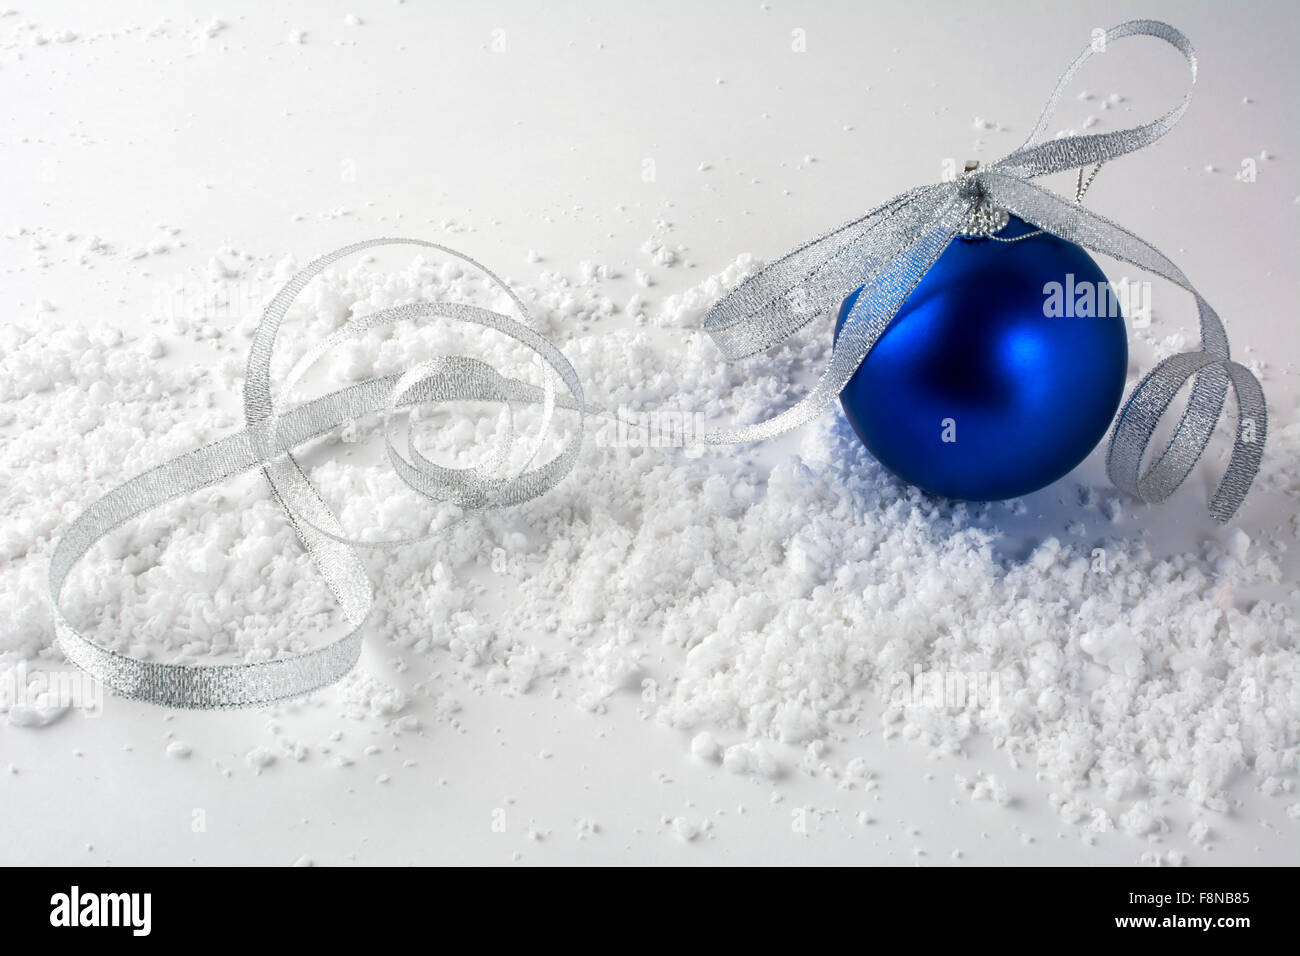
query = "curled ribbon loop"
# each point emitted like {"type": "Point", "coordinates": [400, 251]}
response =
{"type": "Point", "coordinates": [888, 250]}
{"type": "Point", "coordinates": [267, 441]}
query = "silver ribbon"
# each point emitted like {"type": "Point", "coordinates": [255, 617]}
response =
{"type": "Point", "coordinates": [888, 250]}
{"type": "Point", "coordinates": [272, 432]}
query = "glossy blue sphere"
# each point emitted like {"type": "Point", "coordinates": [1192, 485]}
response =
{"type": "Point", "coordinates": [985, 385]}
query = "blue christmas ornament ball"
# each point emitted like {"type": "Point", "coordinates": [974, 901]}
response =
{"type": "Point", "coordinates": [1000, 373]}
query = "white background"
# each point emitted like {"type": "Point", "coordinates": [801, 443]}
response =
{"type": "Point", "coordinates": [530, 126]}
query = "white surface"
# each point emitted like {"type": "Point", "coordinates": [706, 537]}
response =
{"type": "Point", "coordinates": [412, 119]}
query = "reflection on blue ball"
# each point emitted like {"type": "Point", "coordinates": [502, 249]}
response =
{"type": "Point", "coordinates": [975, 391]}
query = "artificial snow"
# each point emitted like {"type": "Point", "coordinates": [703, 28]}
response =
{"type": "Point", "coordinates": [755, 598]}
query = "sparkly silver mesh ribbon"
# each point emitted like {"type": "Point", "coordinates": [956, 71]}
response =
{"type": "Point", "coordinates": [272, 432]}
{"type": "Point", "coordinates": [888, 250]}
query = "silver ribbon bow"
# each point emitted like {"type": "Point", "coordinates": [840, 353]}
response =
{"type": "Point", "coordinates": [267, 441]}
{"type": "Point", "coordinates": [888, 250]}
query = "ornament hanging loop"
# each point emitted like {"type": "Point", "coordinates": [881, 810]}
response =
{"type": "Point", "coordinates": [1081, 187]}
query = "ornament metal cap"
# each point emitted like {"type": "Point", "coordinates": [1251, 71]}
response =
{"type": "Point", "coordinates": [984, 220]}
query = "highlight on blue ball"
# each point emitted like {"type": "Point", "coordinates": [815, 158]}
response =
{"type": "Point", "coordinates": [1000, 373]}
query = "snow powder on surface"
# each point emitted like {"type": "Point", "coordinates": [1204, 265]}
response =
{"type": "Point", "coordinates": [767, 600]}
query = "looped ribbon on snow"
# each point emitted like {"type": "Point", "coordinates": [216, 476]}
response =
{"type": "Point", "coordinates": [890, 249]}
{"type": "Point", "coordinates": [887, 251]}
{"type": "Point", "coordinates": [266, 442]}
